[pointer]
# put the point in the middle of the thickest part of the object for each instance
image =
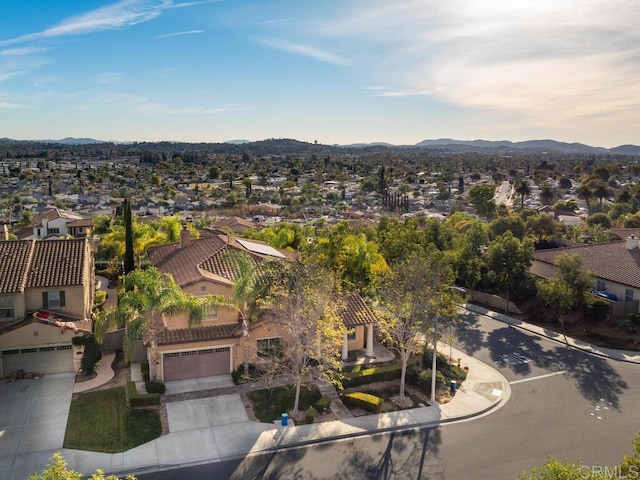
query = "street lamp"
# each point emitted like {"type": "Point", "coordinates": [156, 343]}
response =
{"type": "Point", "coordinates": [435, 351]}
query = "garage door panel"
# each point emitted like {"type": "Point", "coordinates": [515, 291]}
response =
{"type": "Point", "coordinates": [45, 360]}
{"type": "Point", "coordinates": [196, 363]}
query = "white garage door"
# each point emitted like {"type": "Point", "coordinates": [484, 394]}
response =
{"type": "Point", "coordinates": [57, 359]}
{"type": "Point", "coordinates": [196, 363]}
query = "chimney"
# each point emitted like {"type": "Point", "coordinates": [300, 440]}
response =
{"type": "Point", "coordinates": [632, 242]}
{"type": "Point", "coordinates": [5, 232]}
{"type": "Point", "coordinates": [185, 237]}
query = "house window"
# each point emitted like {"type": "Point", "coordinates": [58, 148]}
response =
{"type": "Point", "coordinates": [210, 312]}
{"type": "Point", "coordinates": [39, 233]}
{"type": "Point", "coordinates": [269, 347]}
{"type": "Point", "coordinates": [7, 309]}
{"type": "Point", "coordinates": [53, 300]}
{"type": "Point", "coordinates": [600, 285]}
{"type": "Point", "coordinates": [53, 231]}
{"type": "Point", "coordinates": [628, 295]}
{"type": "Point", "coordinates": [352, 335]}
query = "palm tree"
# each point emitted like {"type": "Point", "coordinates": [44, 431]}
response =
{"type": "Point", "coordinates": [523, 189]}
{"type": "Point", "coordinates": [585, 193]}
{"type": "Point", "coordinates": [149, 295]}
{"type": "Point", "coordinates": [546, 195]}
{"type": "Point", "coordinates": [601, 191]}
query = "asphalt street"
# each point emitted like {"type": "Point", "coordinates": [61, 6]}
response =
{"type": "Point", "coordinates": [564, 403]}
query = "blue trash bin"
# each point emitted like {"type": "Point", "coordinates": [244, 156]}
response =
{"type": "Point", "coordinates": [284, 418]}
{"type": "Point", "coordinates": [454, 385]}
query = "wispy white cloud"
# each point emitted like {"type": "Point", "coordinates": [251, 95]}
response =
{"type": "Point", "coordinates": [177, 34]}
{"type": "Point", "coordinates": [122, 14]}
{"type": "Point", "coordinates": [550, 62]}
{"type": "Point", "coordinates": [272, 21]}
{"type": "Point", "coordinates": [20, 51]}
{"type": "Point", "coordinates": [11, 105]}
{"type": "Point", "coordinates": [108, 78]}
{"type": "Point", "coordinates": [307, 51]}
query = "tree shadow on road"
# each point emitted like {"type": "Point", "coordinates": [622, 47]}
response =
{"type": "Point", "coordinates": [595, 378]}
{"type": "Point", "coordinates": [404, 456]}
{"type": "Point", "coordinates": [468, 333]}
{"type": "Point", "coordinates": [512, 348]}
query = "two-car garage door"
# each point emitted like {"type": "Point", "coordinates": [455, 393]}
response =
{"type": "Point", "coordinates": [196, 363]}
{"type": "Point", "coordinates": [45, 359]}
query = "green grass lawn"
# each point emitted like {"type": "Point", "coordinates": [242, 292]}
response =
{"type": "Point", "coordinates": [269, 403]}
{"type": "Point", "coordinates": [101, 422]}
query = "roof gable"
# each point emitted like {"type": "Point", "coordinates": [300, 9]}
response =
{"type": "Point", "coordinates": [609, 261]}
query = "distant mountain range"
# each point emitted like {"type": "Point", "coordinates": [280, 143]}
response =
{"type": "Point", "coordinates": [441, 143]}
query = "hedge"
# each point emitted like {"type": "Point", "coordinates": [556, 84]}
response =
{"type": "Point", "coordinates": [366, 401]}
{"type": "Point", "coordinates": [373, 374]}
{"type": "Point", "coordinates": [155, 387]}
{"type": "Point", "coordinates": [136, 399]}
{"type": "Point", "coordinates": [323, 404]}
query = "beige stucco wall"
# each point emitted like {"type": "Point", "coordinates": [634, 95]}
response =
{"type": "Point", "coordinates": [18, 304]}
{"type": "Point", "coordinates": [541, 269]}
{"type": "Point", "coordinates": [76, 300]}
{"type": "Point", "coordinates": [361, 336]}
{"type": "Point", "coordinates": [36, 333]}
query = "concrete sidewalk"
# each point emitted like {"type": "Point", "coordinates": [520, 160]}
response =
{"type": "Point", "coordinates": [620, 355]}
{"type": "Point", "coordinates": [232, 435]}
{"type": "Point", "coordinates": [228, 433]}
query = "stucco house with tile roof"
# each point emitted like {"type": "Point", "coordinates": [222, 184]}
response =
{"type": "Point", "coordinates": [217, 346]}
{"type": "Point", "coordinates": [60, 223]}
{"type": "Point", "coordinates": [616, 266]}
{"type": "Point", "coordinates": [55, 280]}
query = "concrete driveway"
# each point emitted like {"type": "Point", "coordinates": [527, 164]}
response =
{"type": "Point", "coordinates": [206, 413]}
{"type": "Point", "coordinates": [33, 414]}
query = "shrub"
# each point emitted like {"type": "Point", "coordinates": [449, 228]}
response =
{"type": "Point", "coordinates": [155, 387]}
{"type": "Point", "coordinates": [597, 309]}
{"type": "Point", "coordinates": [323, 404]}
{"type": "Point", "coordinates": [450, 372]}
{"type": "Point", "coordinates": [144, 371]}
{"type": "Point", "coordinates": [135, 399]}
{"type": "Point", "coordinates": [99, 298]}
{"type": "Point", "coordinates": [91, 355]}
{"type": "Point", "coordinates": [424, 380]}
{"type": "Point", "coordinates": [366, 401]}
{"type": "Point", "coordinates": [373, 374]}
{"type": "Point", "coordinates": [310, 415]}
{"type": "Point", "coordinates": [238, 374]}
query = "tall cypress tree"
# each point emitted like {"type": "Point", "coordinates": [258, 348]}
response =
{"type": "Point", "coordinates": [129, 265]}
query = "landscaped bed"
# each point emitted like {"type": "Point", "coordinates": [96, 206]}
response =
{"type": "Point", "coordinates": [270, 403]}
{"type": "Point", "coordinates": [100, 421]}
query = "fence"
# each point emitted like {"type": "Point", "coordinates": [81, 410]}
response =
{"type": "Point", "coordinates": [113, 341]}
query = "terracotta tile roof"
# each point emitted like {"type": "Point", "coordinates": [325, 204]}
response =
{"type": "Point", "coordinates": [202, 259]}
{"type": "Point", "coordinates": [15, 261]}
{"type": "Point", "coordinates": [356, 312]}
{"type": "Point", "coordinates": [84, 222]}
{"type": "Point", "coordinates": [610, 261]}
{"type": "Point", "coordinates": [198, 334]}
{"type": "Point", "coordinates": [184, 262]}
{"type": "Point", "coordinates": [57, 263]}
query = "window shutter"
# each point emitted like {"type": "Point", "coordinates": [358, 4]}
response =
{"type": "Point", "coordinates": [62, 298]}
{"type": "Point", "coordinates": [45, 299]}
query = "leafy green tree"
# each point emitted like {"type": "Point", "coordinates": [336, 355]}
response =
{"type": "Point", "coordinates": [542, 226]}
{"type": "Point", "coordinates": [302, 301]}
{"type": "Point", "coordinates": [601, 192]}
{"type": "Point", "coordinates": [557, 295]}
{"type": "Point", "coordinates": [128, 238]}
{"type": "Point", "coordinates": [481, 197]}
{"type": "Point", "coordinates": [508, 261]}
{"type": "Point", "coordinates": [58, 469]}
{"type": "Point", "coordinates": [413, 297]}
{"type": "Point", "coordinates": [546, 195]}
{"type": "Point", "coordinates": [599, 219]}
{"type": "Point", "coordinates": [469, 260]}
{"type": "Point", "coordinates": [504, 224]}
{"type": "Point", "coordinates": [149, 295]}
{"type": "Point", "coordinates": [556, 469]}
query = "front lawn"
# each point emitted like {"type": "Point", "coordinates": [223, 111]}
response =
{"type": "Point", "coordinates": [269, 403]}
{"type": "Point", "coordinates": [101, 422]}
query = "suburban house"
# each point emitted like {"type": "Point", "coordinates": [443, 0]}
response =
{"type": "Point", "coordinates": [47, 289]}
{"type": "Point", "coordinates": [219, 344]}
{"type": "Point", "coordinates": [60, 223]}
{"type": "Point", "coordinates": [616, 266]}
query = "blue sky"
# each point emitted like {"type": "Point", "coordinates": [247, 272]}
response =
{"type": "Point", "coordinates": [335, 71]}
